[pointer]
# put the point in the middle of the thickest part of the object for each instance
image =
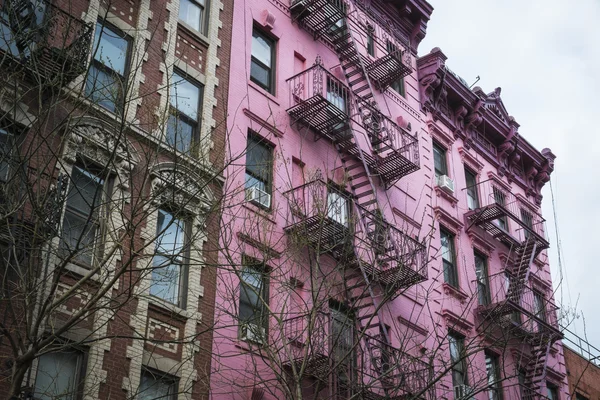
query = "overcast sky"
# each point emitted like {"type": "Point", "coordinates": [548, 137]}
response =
{"type": "Point", "coordinates": [545, 55]}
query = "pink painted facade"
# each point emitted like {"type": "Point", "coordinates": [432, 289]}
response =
{"type": "Point", "coordinates": [331, 98]}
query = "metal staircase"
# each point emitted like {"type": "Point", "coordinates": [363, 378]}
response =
{"type": "Point", "coordinates": [384, 255]}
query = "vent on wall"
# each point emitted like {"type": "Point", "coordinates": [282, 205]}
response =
{"type": "Point", "coordinates": [268, 20]}
{"type": "Point", "coordinates": [257, 394]}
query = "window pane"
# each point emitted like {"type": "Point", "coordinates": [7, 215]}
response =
{"type": "Point", "coordinates": [259, 161]}
{"type": "Point", "coordinates": [78, 237]}
{"type": "Point", "coordinates": [185, 96]}
{"type": "Point", "coordinates": [170, 234]}
{"type": "Point", "coordinates": [447, 247]}
{"type": "Point", "coordinates": [103, 88]}
{"type": "Point", "coordinates": [165, 279]}
{"type": "Point", "coordinates": [5, 152]}
{"type": "Point", "coordinates": [439, 160]}
{"type": "Point", "coordinates": [262, 48]}
{"type": "Point", "coordinates": [260, 74]}
{"type": "Point", "coordinates": [191, 14]}
{"type": "Point", "coordinates": [85, 191]}
{"type": "Point", "coordinates": [57, 376]}
{"type": "Point", "coordinates": [152, 388]}
{"type": "Point", "coordinates": [110, 49]}
{"type": "Point", "coordinates": [252, 288]}
{"type": "Point", "coordinates": [337, 208]}
{"type": "Point", "coordinates": [179, 134]}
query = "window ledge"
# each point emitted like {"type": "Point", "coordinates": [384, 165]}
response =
{"type": "Point", "coordinates": [446, 195]}
{"type": "Point", "coordinates": [455, 292]}
{"type": "Point", "coordinates": [162, 306]}
{"type": "Point", "coordinates": [267, 214]}
{"type": "Point", "coordinates": [196, 34]}
{"type": "Point", "coordinates": [263, 92]}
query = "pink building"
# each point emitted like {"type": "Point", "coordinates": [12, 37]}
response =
{"type": "Point", "coordinates": [381, 237]}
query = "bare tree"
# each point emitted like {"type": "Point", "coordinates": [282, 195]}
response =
{"type": "Point", "coordinates": [109, 191]}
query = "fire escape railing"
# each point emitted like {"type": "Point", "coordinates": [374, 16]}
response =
{"type": "Point", "coordinates": [322, 215]}
{"type": "Point", "coordinates": [319, 100]}
{"type": "Point", "coordinates": [50, 43]}
{"type": "Point", "coordinates": [512, 303]}
{"type": "Point", "coordinates": [308, 344]}
{"type": "Point", "coordinates": [496, 205]}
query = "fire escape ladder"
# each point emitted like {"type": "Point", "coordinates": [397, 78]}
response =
{"type": "Point", "coordinates": [525, 256]}
{"type": "Point", "coordinates": [538, 364]}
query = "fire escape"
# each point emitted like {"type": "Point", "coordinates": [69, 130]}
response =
{"type": "Point", "coordinates": [511, 302]}
{"type": "Point", "coordinates": [48, 44]}
{"type": "Point", "coordinates": [353, 228]}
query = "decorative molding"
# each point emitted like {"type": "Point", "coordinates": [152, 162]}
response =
{"type": "Point", "coordinates": [448, 221]}
{"type": "Point", "coordinates": [264, 248]}
{"type": "Point", "coordinates": [528, 204]}
{"type": "Point", "coordinates": [439, 135]}
{"type": "Point", "coordinates": [419, 329]}
{"type": "Point", "coordinates": [455, 292]}
{"type": "Point", "coordinates": [498, 180]}
{"type": "Point", "coordinates": [445, 195]}
{"type": "Point", "coordinates": [180, 186]}
{"type": "Point", "coordinates": [265, 124]}
{"type": "Point", "coordinates": [457, 322]}
{"type": "Point", "coordinates": [480, 243]}
{"type": "Point", "coordinates": [470, 161]}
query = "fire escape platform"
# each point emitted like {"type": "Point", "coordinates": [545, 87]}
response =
{"type": "Point", "coordinates": [501, 312]}
{"type": "Point", "coordinates": [395, 276]}
{"type": "Point", "coordinates": [320, 231]}
{"type": "Point", "coordinates": [317, 15]}
{"type": "Point", "coordinates": [53, 50]}
{"type": "Point", "coordinates": [388, 69]}
{"type": "Point", "coordinates": [323, 117]}
{"type": "Point", "coordinates": [318, 366]}
{"type": "Point", "coordinates": [484, 217]}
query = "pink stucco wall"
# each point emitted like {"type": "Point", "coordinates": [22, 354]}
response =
{"type": "Point", "coordinates": [422, 315]}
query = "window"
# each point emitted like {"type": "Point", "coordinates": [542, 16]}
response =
{"type": "Point", "coordinates": [552, 391]}
{"type": "Point", "coordinates": [579, 396]}
{"type": "Point", "coordinates": [59, 375]}
{"type": "Point", "coordinates": [262, 65]}
{"type": "Point", "coordinates": [370, 41]}
{"type": "Point", "coordinates": [154, 386]}
{"type": "Point", "coordinates": [439, 161]}
{"type": "Point", "coordinates": [500, 199]}
{"type": "Point", "coordinates": [259, 167]}
{"type": "Point", "coordinates": [6, 144]}
{"type": "Point", "coordinates": [527, 219]}
{"type": "Point", "coordinates": [472, 194]}
{"type": "Point", "coordinates": [183, 126]}
{"type": "Point", "coordinates": [106, 80]}
{"type": "Point", "coordinates": [254, 297]}
{"type": "Point", "coordinates": [539, 307]}
{"type": "Point", "coordinates": [192, 12]}
{"type": "Point", "coordinates": [509, 280]}
{"type": "Point", "coordinates": [458, 360]}
{"type": "Point", "coordinates": [492, 366]}
{"type": "Point", "coordinates": [398, 85]}
{"type": "Point", "coordinates": [337, 95]}
{"type": "Point", "coordinates": [169, 258]}
{"type": "Point", "coordinates": [343, 340]}
{"type": "Point", "coordinates": [481, 271]}
{"type": "Point", "coordinates": [81, 224]}
{"type": "Point", "coordinates": [337, 206]}
{"type": "Point", "coordinates": [448, 258]}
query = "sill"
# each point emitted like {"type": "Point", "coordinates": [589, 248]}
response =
{"type": "Point", "coordinates": [172, 309]}
{"type": "Point", "coordinates": [262, 91]}
{"type": "Point", "coordinates": [446, 195]}
{"type": "Point", "coordinates": [455, 292]}
{"type": "Point", "coordinates": [263, 212]}
{"type": "Point", "coordinates": [197, 34]}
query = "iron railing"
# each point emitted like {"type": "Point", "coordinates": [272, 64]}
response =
{"type": "Point", "coordinates": [501, 203]}
{"type": "Point", "coordinates": [50, 42]}
{"type": "Point", "coordinates": [309, 344]}
{"type": "Point", "coordinates": [511, 301]}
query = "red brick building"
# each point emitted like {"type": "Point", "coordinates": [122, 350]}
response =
{"type": "Point", "coordinates": [583, 376]}
{"type": "Point", "coordinates": [111, 127]}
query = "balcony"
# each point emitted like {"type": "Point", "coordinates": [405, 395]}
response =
{"type": "Point", "coordinates": [320, 214]}
{"type": "Point", "coordinates": [398, 261]}
{"type": "Point", "coordinates": [51, 44]}
{"type": "Point", "coordinates": [321, 102]}
{"type": "Point", "coordinates": [310, 349]}
{"type": "Point", "coordinates": [513, 304]}
{"type": "Point", "coordinates": [494, 205]}
{"type": "Point", "coordinates": [319, 17]}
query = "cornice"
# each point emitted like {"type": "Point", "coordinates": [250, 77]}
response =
{"type": "Point", "coordinates": [448, 221]}
{"type": "Point", "coordinates": [470, 161]}
{"type": "Point", "coordinates": [450, 290]}
{"type": "Point", "coordinates": [457, 322]}
{"type": "Point", "coordinates": [480, 243]}
{"type": "Point", "coordinates": [498, 180]}
{"type": "Point", "coordinates": [439, 135]}
{"type": "Point", "coordinates": [265, 124]}
{"type": "Point", "coordinates": [446, 195]}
